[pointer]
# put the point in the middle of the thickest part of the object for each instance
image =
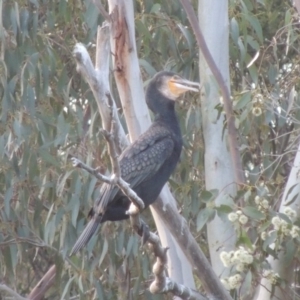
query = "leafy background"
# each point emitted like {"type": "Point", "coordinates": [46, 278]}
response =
{"type": "Point", "coordinates": [48, 112]}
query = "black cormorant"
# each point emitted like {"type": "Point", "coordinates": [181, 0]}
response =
{"type": "Point", "coordinates": [149, 161]}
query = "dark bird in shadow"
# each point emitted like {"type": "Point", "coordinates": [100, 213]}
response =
{"type": "Point", "coordinates": [149, 161]}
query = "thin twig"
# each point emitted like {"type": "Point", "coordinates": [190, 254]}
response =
{"type": "Point", "coordinates": [106, 106]}
{"type": "Point", "coordinates": [112, 151]}
{"type": "Point", "coordinates": [18, 240]}
{"type": "Point", "coordinates": [16, 296]}
{"type": "Point", "coordinates": [161, 283]}
{"type": "Point", "coordinates": [79, 164]}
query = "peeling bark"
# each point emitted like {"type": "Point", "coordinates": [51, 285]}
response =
{"type": "Point", "coordinates": [126, 68]}
{"type": "Point", "coordinates": [130, 87]}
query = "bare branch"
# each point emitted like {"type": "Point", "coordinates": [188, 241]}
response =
{"type": "Point", "coordinates": [127, 76]}
{"type": "Point", "coordinates": [232, 131]}
{"type": "Point", "coordinates": [43, 285]}
{"type": "Point", "coordinates": [98, 82]}
{"type": "Point", "coordinates": [164, 284]}
{"type": "Point", "coordinates": [123, 185]}
{"type": "Point", "coordinates": [137, 224]}
{"type": "Point", "coordinates": [18, 240]}
{"type": "Point", "coordinates": [179, 229]}
{"type": "Point", "coordinates": [161, 283]}
{"type": "Point", "coordinates": [79, 164]}
{"type": "Point", "coordinates": [112, 151]}
{"type": "Point", "coordinates": [177, 289]}
{"type": "Point", "coordinates": [16, 296]}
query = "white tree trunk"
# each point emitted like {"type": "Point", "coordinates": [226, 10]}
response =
{"type": "Point", "coordinates": [213, 19]}
{"type": "Point", "coordinates": [130, 87]}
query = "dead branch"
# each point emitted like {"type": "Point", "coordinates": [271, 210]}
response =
{"type": "Point", "coordinates": [96, 79]}
{"type": "Point", "coordinates": [19, 240]}
{"type": "Point", "coordinates": [79, 164]}
{"type": "Point", "coordinates": [161, 283]}
{"type": "Point", "coordinates": [114, 179]}
{"type": "Point", "coordinates": [43, 285]}
{"type": "Point", "coordinates": [177, 225]}
{"type": "Point", "coordinates": [123, 48]}
{"type": "Point", "coordinates": [98, 82]}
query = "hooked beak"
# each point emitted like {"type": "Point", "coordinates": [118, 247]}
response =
{"type": "Point", "coordinates": [183, 85]}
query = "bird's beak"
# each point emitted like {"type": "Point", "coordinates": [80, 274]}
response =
{"type": "Point", "coordinates": [180, 85]}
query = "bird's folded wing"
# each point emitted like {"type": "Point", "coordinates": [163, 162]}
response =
{"type": "Point", "coordinates": [139, 162]}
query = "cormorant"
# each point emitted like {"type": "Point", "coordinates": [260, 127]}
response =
{"type": "Point", "coordinates": [148, 162]}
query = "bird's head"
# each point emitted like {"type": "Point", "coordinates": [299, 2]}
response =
{"type": "Point", "coordinates": [172, 85]}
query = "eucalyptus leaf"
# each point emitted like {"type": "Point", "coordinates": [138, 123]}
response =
{"type": "Point", "coordinates": [234, 30]}
{"type": "Point", "coordinates": [203, 216]}
{"type": "Point", "coordinates": [271, 237]}
{"type": "Point", "coordinates": [67, 288]}
{"type": "Point", "coordinates": [253, 213]}
{"type": "Point", "coordinates": [243, 101]}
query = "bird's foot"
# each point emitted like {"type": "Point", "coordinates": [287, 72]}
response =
{"type": "Point", "coordinates": [132, 210]}
{"type": "Point", "coordinates": [75, 162]}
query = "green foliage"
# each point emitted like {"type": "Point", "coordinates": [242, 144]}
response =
{"type": "Point", "coordinates": [44, 114]}
{"type": "Point", "coordinates": [264, 38]}
{"type": "Point", "coordinates": [44, 117]}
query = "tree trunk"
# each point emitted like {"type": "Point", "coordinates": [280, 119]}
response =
{"type": "Point", "coordinates": [219, 173]}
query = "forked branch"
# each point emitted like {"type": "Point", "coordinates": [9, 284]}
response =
{"type": "Point", "coordinates": [161, 283]}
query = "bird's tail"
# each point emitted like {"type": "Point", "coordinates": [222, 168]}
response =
{"type": "Point", "coordinates": [86, 235]}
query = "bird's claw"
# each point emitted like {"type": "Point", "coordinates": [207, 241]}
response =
{"type": "Point", "coordinates": [132, 210]}
{"type": "Point", "coordinates": [75, 162]}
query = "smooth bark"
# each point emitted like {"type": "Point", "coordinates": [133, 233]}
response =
{"type": "Point", "coordinates": [217, 9]}
{"type": "Point", "coordinates": [219, 170]}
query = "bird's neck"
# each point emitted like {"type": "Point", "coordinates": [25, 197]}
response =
{"type": "Point", "coordinates": [169, 118]}
{"type": "Point", "coordinates": [163, 109]}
